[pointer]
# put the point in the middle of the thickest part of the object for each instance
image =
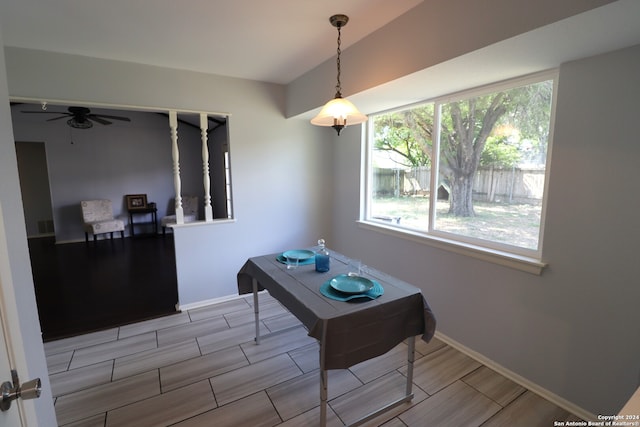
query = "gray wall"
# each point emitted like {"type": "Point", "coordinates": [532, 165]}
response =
{"type": "Point", "coordinates": [108, 162]}
{"type": "Point", "coordinates": [268, 153]}
{"type": "Point", "coordinates": [573, 330]}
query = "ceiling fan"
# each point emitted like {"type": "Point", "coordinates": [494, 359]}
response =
{"type": "Point", "coordinates": [81, 117]}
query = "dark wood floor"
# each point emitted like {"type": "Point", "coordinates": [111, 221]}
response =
{"type": "Point", "coordinates": [85, 287]}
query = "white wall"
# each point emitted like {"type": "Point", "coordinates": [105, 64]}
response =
{"type": "Point", "coordinates": [573, 330]}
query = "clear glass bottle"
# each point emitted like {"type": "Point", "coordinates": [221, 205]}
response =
{"type": "Point", "coordinates": [322, 257]}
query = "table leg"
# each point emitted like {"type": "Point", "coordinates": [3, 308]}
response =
{"type": "Point", "coordinates": [411, 341]}
{"type": "Point", "coordinates": [411, 354]}
{"type": "Point", "coordinates": [256, 309]}
{"type": "Point", "coordinates": [323, 378]}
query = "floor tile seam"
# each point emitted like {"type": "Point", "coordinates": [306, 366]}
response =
{"type": "Point", "coordinates": [106, 384]}
{"type": "Point", "coordinates": [113, 408]}
{"type": "Point", "coordinates": [189, 324]}
{"type": "Point", "coordinates": [199, 346]}
{"type": "Point", "coordinates": [294, 360]}
{"type": "Point", "coordinates": [300, 372]}
{"type": "Point", "coordinates": [104, 414]}
{"type": "Point", "coordinates": [185, 361]}
{"type": "Point", "coordinates": [157, 349]}
{"type": "Point", "coordinates": [250, 321]}
{"type": "Point", "coordinates": [502, 409]}
{"type": "Point", "coordinates": [131, 338]}
{"type": "Point", "coordinates": [221, 348]}
{"type": "Point", "coordinates": [224, 313]}
{"type": "Point", "coordinates": [224, 316]}
{"type": "Point", "coordinates": [109, 358]}
{"type": "Point", "coordinates": [87, 387]}
{"type": "Point", "coordinates": [524, 390]}
{"type": "Point", "coordinates": [335, 398]}
{"type": "Point", "coordinates": [275, 408]}
{"type": "Point", "coordinates": [49, 353]}
{"type": "Point", "coordinates": [398, 370]}
{"type": "Point", "coordinates": [246, 357]}
{"type": "Point", "coordinates": [201, 379]}
{"type": "Point", "coordinates": [213, 393]}
{"type": "Point", "coordinates": [180, 340]}
{"type": "Point", "coordinates": [218, 406]}
{"type": "Point", "coordinates": [160, 393]}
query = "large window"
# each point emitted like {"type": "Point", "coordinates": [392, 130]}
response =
{"type": "Point", "coordinates": [469, 167]}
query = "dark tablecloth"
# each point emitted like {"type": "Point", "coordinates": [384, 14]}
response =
{"type": "Point", "coordinates": [356, 331]}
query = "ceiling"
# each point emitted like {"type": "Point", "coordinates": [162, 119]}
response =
{"type": "Point", "coordinates": [272, 41]}
{"type": "Point", "coordinates": [280, 40]}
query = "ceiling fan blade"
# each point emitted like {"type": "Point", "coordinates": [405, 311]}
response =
{"type": "Point", "coordinates": [58, 118]}
{"type": "Point", "coordinates": [124, 119]}
{"type": "Point", "coordinates": [98, 119]}
{"type": "Point", "coordinates": [45, 112]}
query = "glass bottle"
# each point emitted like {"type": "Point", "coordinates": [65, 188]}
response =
{"type": "Point", "coordinates": [322, 257]}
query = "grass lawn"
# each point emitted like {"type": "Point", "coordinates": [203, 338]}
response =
{"type": "Point", "coordinates": [513, 224]}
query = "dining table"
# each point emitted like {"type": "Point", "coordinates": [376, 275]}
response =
{"type": "Point", "coordinates": [349, 327]}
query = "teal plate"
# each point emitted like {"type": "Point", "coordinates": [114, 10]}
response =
{"type": "Point", "coordinates": [348, 284]}
{"type": "Point", "coordinates": [299, 254]}
{"type": "Point", "coordinates": [329, 292]}
{"type": "Point", "coordinates": [280, 258]}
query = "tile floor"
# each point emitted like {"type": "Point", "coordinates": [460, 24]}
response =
{"type": "Point", "coordinates": [202, 368]}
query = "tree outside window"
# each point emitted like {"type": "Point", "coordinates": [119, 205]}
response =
{"type": "Point", "coordinates": [489, 150]}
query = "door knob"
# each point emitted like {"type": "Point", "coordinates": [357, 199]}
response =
{"type": "Point", "coordinates": [11, 390]}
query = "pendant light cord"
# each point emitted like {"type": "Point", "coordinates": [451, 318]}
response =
{"type": "Point", "coordinates": [338, 85]}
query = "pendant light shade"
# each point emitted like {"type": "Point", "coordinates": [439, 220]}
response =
{"type": "Point", "coordinates": [339, 112]}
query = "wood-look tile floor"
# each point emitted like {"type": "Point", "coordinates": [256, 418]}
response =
{"type": "Point", "coordinates": [202, 368]}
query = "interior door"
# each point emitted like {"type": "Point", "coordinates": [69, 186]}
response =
{"type": "Point", "coordinates": [12, 416]}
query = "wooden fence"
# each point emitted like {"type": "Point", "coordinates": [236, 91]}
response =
{"type": "Point", "coordinates": [493, 185]}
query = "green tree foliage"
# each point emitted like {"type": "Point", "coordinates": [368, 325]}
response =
{"type": "Point", "coordinates": [406, 133]}
{"type": "Point", "coordinates": [498, 130]}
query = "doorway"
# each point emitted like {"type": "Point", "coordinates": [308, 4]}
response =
{"type": "Point", "coordinates": [34, 188]}
{"type": "Point", "coordinates": [82, 288]}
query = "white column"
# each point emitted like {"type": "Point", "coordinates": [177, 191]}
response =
{"type": "Point", "coordinates": [204, 126]}
{"type": "Point", "coordinates": [173, 125]}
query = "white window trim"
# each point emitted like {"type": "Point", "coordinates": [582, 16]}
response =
{"type": "Point", "coordinates": [522, 259]}
{"type": "Point", "coordinates": [507, 259]}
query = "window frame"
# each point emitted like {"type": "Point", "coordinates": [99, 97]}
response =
{"type": "Point", "coordinates": [524, 259]}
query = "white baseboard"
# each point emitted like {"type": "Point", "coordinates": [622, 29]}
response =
{"type": "Point", "coordinates": [204, 303]}
{"type": "Point", "coordinates": [518, 379]}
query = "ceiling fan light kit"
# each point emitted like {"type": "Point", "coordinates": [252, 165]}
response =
{"type": "Point", "coordinates": [339, 112]}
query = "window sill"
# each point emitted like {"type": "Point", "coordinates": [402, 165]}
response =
{"type": "Point", "coordinates": [518, 262]}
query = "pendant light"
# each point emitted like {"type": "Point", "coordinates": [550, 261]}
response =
{"type": "Point", "coordinates": [339, 112]}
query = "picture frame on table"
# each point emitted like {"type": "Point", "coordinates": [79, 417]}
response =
{"type": "Point", "coordinates": [136, 201]}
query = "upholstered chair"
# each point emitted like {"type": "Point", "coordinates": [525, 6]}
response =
{"type": "Point", "coordinates": [98, 219]}
{"type": "Point", "coordinates": [189, 208]}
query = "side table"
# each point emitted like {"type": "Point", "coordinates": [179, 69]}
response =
{"type": "Point", "coordinates": [144, 212]}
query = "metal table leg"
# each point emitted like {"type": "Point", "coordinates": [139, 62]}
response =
{"type": "Point", "coordinates": [323, 377]}
{"type": "Point", "coordinates": [406, 398]}
{"type": "Point", "coordinates": [256, 309]}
